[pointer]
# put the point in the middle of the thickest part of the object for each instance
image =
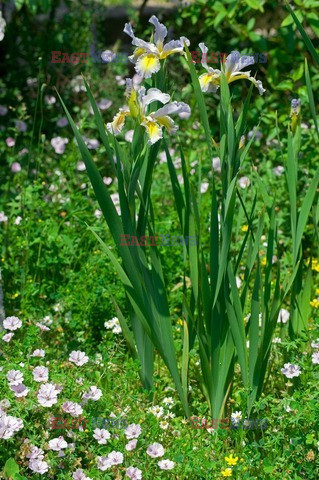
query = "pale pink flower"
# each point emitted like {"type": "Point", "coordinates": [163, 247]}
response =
{"type": "Point", "coordinates": [107, 180]}
{"type": "Point", "coordinates": [104, 104]}
{"type": "Point", "coordinates": [94, 394]}
{"type": "Point", "coordinates": [16, 167]}
{"type": "Point", "coordinates": [40, 374]}
{"type": "Point", "coordinates": [166, 464]}
{"type": "Point", "coordinates": [80, 475]}
{"type": "Point", "coordinates": [7, 337]}
{"type": "Point", "coordinates": [216, 164]}
{"type": "Point", "coordinates": [49, 99]}
{"type": "Point", "coordinates": [103, 463]}
{"type": "Point", "coordinates": [72, 408]}
{"type": "Point", "coordinates": [23, 151]}
{"type": "Point", "coordinates": [10, 142]}
{"type": "Point", "coordinates": [35, 453]}
{"type": "Point", "coordinates": [134, 473]}
{"type": "Point", "coordinates": [12, 323]}
{"type": "Point", "coordinates": [59, 143]}
{"type": "Point", "coordinates": [15, 377]}
{"type": "Point", "coordinates": [47, 395]}
{"type": "Point", "coordinates": [38, 353]}
{"type": "Point", "coordinates": [9, 425]}
{"type": "Point", "coordinates": [42, 327]}
{"type": "Point", "coordinates": [155, 450]}
{"type": "Point", "coordinates": [58, 444]}
{"type": "Point", "coordinates": [3, 217]}
{"type": "Point", "coordinates": [315, 344]}
{"type": "Point", "coordinates": [315, 358]}
{"type": "Point", "coordinates": [244, 182]}
{"type": "Point", "coordinates": [133, 431]}
{"type": "Point", "coordinates": [101, 435]}
{"type": "Point", "coordinates": [291, 370]}
{"type": "Point", "coordinates": [116, 458]}
{"type": "Point", "coordinates": [78, 357]}
{"type": "Point", "coordinates": [204, 187]}
{"type": "Point", "coordinates": [19, 390]}
{"type": "Point", "coordinates": [62, 122]}
{"type": "Point", "coordinates": [131, 445]}
{"type": "Point", "coordinates": [38, 466]}
{"type": "Point", "coordinates": [80, 166]}
{"type": "Point", "coordinates": [92, 143]}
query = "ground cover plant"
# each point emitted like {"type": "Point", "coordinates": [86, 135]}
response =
{"type": "Point", "coordinates": [159, 243]}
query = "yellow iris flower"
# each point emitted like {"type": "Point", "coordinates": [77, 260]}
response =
{"type": "Point", "coordinates": [147, 55]}
{"type": "Point", "coordinates": [153, 122]}
{"type": "Point", "coordinates": [210, 81]}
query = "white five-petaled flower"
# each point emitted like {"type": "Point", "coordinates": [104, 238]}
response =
{"type": "Point", "coordinates": [94, 393]}
{"type": "Point", "coordinates": [12, 323]}
{"type": "Point", "coordinates": [133, 431]}
{"type": "Point", "coordinates": [138, 101]}
{"type": "Point", "coordinates": [38, 466]}
{"type": "Point", "coordinates": [38, 353]}
{"type": "Point", "coordinates": [101, 435]}
{"type": "Point", "coordinates": [166, 464]}
{"type": "Point", "coordinates": [35, 453]}
{"type": "Point", "coordinates": [7, 337]}
{"type": "Point", "coordinates": [133, 473]}
{"type": "Point", "coordinates": [79, 358]}
{"type": "Point", "coordinates": [115, 458]}
{"type": "Point", "coordinates": [155, 450]}
{"type": "Point", "coordinates": [210, 81]}
{"type": "Point", "coordinates": [131, 445]}
{"type": "Point", "coordinates": [19, 390]}
{"type": "Point", "coordinates": [147, 55]}
{"type": "Point", "coordinates": [290, 370]}
{"type": "Point", "coordinates": [40, 374]}
{"type": "Point", "coordinates": [47, 395]}
{"type": "Point", "coordinates": [72, 408]}
{"type": "Point", "coordinates": [315, 358]}
{"type": "Point", "coordinates": [57, 444]}
{"type": "Point", "coordinates": [9, 425]}
{"type": "Point", "coordinates": [103, 463]}
{"type": "Point", "coordinates": [14, 377]}
{"type": "Point", "coordinates": [80, 475]}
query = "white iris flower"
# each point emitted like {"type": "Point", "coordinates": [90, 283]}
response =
{"type": "Point", "coordinates": [138, 102]}
{"type": "Point", "coordinates": [210, 81]}
{"type": "Point", "coordinates": [147, 55]}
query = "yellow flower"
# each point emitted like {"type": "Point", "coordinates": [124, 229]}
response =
{"type": "Point", "coordinates": [147, 55]}
{"type": "Point", "coordinates": [263, 261]}
{"type": "Point", "coordinates": [231, 460]}
{"type": "Point", "coordinates": [153, 122]}
{"type": "Point", "coordinates": [244, 228]}
{"type": "Point", "coordinates": [227, 472]}
{"type": "Point", "coordinates": [314, 303]}
{"type": "Point", "coordinates": [210, 81]}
